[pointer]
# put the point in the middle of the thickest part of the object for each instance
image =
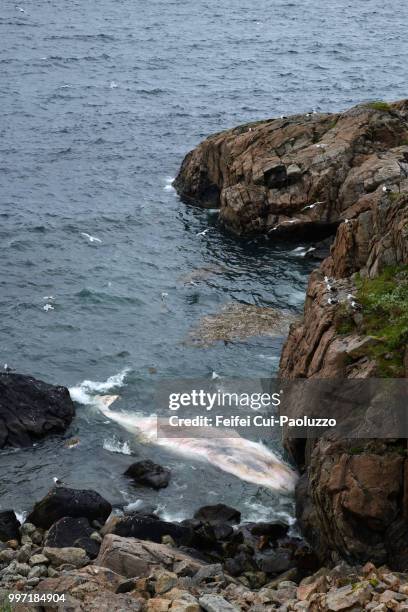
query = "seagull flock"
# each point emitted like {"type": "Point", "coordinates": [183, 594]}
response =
{"type": "Point", "coordinates": [332, 300]}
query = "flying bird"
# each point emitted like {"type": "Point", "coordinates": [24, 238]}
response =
{"type": "Point", "coordinates": [203, 233]}
{"type": "Point", "coordinates": [90, 238]}
{"type": "Point", "coordinates": [48, 307]}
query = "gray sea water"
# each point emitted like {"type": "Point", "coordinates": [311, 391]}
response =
{"type": "Point", "coordinates": [99, 102]}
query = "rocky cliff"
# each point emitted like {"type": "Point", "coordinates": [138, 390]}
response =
{"type": "Point", "coordinates": [344, 175]}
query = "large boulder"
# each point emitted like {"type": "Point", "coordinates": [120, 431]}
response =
{"type": "Point", "coordinates": [61, 502]}
{"type": "Point", "coordinates": [147, 527]}
{"type": "Point", "coordinates": [131, 557]}
{"type": "Point", "coordinates": [149, 474]}
{"type": "Point", "coordinates": [9, 526]}
{"type": "Point", "coordinates": [31, 409]}
{"type": "Point", "coordinates": [73, 532]}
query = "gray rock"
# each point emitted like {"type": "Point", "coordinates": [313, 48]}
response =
{"type": "Point", "coordinates": [23, 555]}
{"type": "Point", "coordinates": [32, 582]}
{"type": "Point", "coordinates": [38, 571]}
{"type": "Point", "coordinates": [7, 555]}
{"type": "Point", "coordinates": [208, 572]}
{"type": "Point", "coordinates": [59, 556]}
{"type": "Point", "coordinates": [22, 569]}
{"type": "Point", "coordinates": [27, 529]}
{"type": "Point", "coordinates": [216, 603]}
{"type": "Point", "coordinates": [39, 559]}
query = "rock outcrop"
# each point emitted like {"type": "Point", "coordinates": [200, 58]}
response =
{"type": "Point", "coordinates": [298, 175]}
{"type": "Point", "coordinates": [62, 502]}
{"type": "Point", "coordinates": [345, 175]}
{"type": "Point", "coordinates": [31, 409]}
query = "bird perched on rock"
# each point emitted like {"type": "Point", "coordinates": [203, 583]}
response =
{"type": "Point", "coordinates": [386, 189]}
{"type": "Point", "coordinates": [58, 482]}
{"type": "Point", "coordinates": [7, 368]}
{"type": "Point", "coordinates": [332, 301]}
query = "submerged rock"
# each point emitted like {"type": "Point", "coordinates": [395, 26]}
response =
{"type": "Point", "coordinates": [61, 502]}
{"type": "Point", "coordinates": [239, 321]}
{"type": "Point", "coordinates": [31, 409]}
{"type": "Point", "coordinates": [218, 513]}
{"type": "Point", "coordinates": [149, 474]}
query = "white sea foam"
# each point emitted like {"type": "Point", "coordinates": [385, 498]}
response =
{"type": "Point", "coordinates": [169, 183]}
{"type": "Point", "coordinates": [87, 391]}
{"type": "Point", "coordinates": [257, 512]}
{"type": "Point", "coordinates": [21, 516]}
{"type": "Point", "coordinates": [134, 506]}
{"type": "Point", "coordinates": [115, 446]}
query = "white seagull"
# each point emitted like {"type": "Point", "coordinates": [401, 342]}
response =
{"type": "Point", "coordinates": [386, 189]}
{"type": "Point", "coordinates": [313, 205]}
{"type": "Point", "coordinates": [321, 145]}
{"type": "Point", "coordinates": [49, 298]}
{"type": "Point", "coordinates": [332, 301]}
{"type": "Point", "coordinates": [203, 233]}
{"type": "Point", "coordinates": [48, 307]}
{"type": "Point", "coordinates": [164, 294]}
{"type": "Point", "coordinates": [90, 238]}
{"type": "Point", "coordinates": [58, 482]}
{"type": "Point", "coordinates": [18, 8]}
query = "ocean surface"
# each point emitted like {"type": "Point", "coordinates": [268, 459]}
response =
{"type": "Point", "coordinates": [99, 102]}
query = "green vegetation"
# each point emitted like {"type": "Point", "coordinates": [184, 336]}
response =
{"type": "Point", "coordinates": [5, 605]}
{"type": "Point", "coordinates": [379, 105]}
{"type": "Point", "coordinates": [385, 306]}
{"type": "Point", "coordinates": [344, 322]}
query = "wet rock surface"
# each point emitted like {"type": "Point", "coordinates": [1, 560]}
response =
{"type": "Point", "coordinates": [31, 409]}
{"type": "Point", "coordinates": [149, 474]}
{"type": "Point", "coordinates": [61, 502]}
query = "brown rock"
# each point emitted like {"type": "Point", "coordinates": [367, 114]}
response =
{"type": "Point", "coordinates": [131, 557]}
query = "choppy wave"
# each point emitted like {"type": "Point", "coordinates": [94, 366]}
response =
{"type": "Point", "coordinates": [87, 392]}
{"type": "Point", "coordinates": [116, 446]}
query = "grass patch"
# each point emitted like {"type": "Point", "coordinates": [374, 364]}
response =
{"type": "Point", "coordinates": [344, 322]}
{"type": "Point", "coordinates": [379, 105]}
{"type": "Point", "coordinates": [385, 307]}
{"type": "Point", "coordinates": [5, 605]}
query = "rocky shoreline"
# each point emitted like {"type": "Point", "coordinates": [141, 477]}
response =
{"type": "Point", "coordinates": [341, 178]}
{"type": "Point", "coordinates": [129, 563]}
